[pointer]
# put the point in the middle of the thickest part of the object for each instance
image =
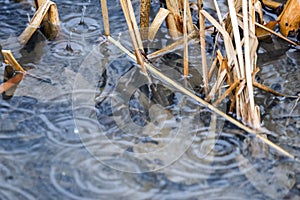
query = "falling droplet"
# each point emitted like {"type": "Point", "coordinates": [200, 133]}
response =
{"type": "Point", "coordinates": [68, 46]}
{"type": "Point", "coordinates": [82, 16]}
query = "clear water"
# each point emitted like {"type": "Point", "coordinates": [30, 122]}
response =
{"type": "Point", "coordinates": [90, 134]}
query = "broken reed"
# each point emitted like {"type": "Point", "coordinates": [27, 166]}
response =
{"type": "Point", "coordinates": [235, 68]}
{"type": "Point", "coordinates": [105, 17]}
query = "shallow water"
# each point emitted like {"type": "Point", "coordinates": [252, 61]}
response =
{"type": "Point", "coordinates": [88, 133]}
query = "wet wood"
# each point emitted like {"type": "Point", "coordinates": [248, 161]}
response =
{"type": "Point", "coordinates": [50, 23]}
{"type": "Point", "coordinates": [9, 84]}
{"type": "Point", "coordinates": [43, 12]}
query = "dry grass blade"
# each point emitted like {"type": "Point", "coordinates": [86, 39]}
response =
{"type": "Point", "coordinates": [218, 11]}
{"type": "Point", "coordinates": [267, 89]}
{"type": "Point", "coordinates": [232, 60]}
{"type": "Point", "coordinates": [105, 17]}
{"type": "Point", "coordinates": [227, 92]}
{"type": "Point", "coordinates": [176, 45]}
{"type": "Point", "coordinates": [158, 20]}
{"type": "Point", "coordinates": [237, 38]}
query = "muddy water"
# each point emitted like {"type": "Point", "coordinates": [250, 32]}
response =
{"type": "Point", "coordinates": [88, 133]}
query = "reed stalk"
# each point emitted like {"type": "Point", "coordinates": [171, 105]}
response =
{"type": "Point", "coordinates": [203, 47]}
{"type": "Point", "coordinates": [10, 59]}
{"type": "Point", "coordinates": [174, 46]}
{"type": "Point", "coordinates": [157, 22]}
{"type": "Point", "coordinates": [186, 50]}
{"type": "Point", "coordinates": [248, 67]}
{"type": "Point", "coordinates": [132, 32]}
{"type": "Point", "coordinates": [15, 80]}
{"type": "Point", "coordinates": [105, 17]}
{"type": "Point", "coordinates": [37, 19]}
{"type": "Point", "coordinates": [173, 19]}
{"type": "Point", "coordinates": [144, 18]}
{"type": "Point", "coordinates": [135, 26]}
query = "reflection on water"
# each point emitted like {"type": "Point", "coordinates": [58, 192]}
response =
{"type": "Point", "coordinates": [44, 155]}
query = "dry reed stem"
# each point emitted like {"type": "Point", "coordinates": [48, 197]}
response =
{"type": "Point", "coordinates": [144, 18]}
{"type": "Point", "coordinates": [15, 80]}
{"type": "Point", "coordinates": [10, 59]}
{"type": "Point", "coordinates": [185, 42]}
{"type": "Point", "coordinates": [292, 110]}
{"type": "Point", "coordinates": [232, 60]}
{"type": "Point", "coordinates": [176, 45]}
{"type": "Point", "coordinates": [220, 80]}
{"type": "Point", "coordinates": [158, 20]}
{"type": "Point", "coordinates": [269, 90]}
{"type": "Point", "coordinates": [212, 69]}
{"type": "Point", "coordinates": [218, 11]}
{"type": "Point", "coordinates": [227, 92]}
{"type": "Point", "coordinates": [135, 45]}
{"type": "Point", "coordinates": [277, 34]}
{"type": "Point", "coordinates": [135, 26]}
{"type": "Point", "coordinates": [248, 67]}
{"type": "Point", "coordinates": [35, 22]}
{"type": "Point", "coordinates": [203, 48]}
{"type": "Point", "coordinates": [182, 89]}
{"type": "Point", "coordinates": [105, 17]}
{"type": "Point", "coordinates": [271, 4]}
{"type": "Point", "coordinates": [173, 19]}
{"type": "Point", "coordinates": [237, 38]}
{"type": "Point", "coordinates": [51, 23]}
{"type": "Point", "coordinates": [190, 26]}
{"type": "Point", "coordinates": [38, 3]}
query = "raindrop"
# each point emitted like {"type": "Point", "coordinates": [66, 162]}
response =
{"type": "Point", "coordinates": [82, 16]}
{"type": "Point", "coordinates": [68, 46]}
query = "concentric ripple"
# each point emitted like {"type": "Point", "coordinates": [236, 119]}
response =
{"type": "Point", "coordinates": [12, 192]}
{"type": "Point", "coordinates": [87, 28]}
{"type": "Point", "coordinates": [67, 49]}
{"type": "Point", "coordinates": [211, 155]}
{"type": "Point", "coordinates": [75, 174]}
{"type": "Point", "coordinates": [17, 135]}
